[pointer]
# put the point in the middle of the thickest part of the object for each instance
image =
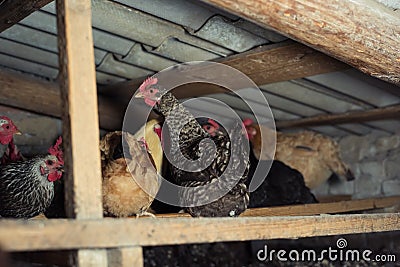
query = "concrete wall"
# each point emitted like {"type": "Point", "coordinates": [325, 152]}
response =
{"type": "Point", "coordinates": [375, 161]}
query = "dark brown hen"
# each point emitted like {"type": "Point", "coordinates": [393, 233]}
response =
{"type": "Point", "coordinates": [194, 164]}
{"type": "Point", "coordinates": [27, 187]}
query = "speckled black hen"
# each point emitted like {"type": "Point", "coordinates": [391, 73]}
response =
{"type": "Point", "coordinates": [27, 187]}
{"type": "Point", "coordinates": [194, 163]}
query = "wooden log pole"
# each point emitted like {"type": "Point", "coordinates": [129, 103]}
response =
{"type": "Point", "coordinates": [362, 33]}
{"type": "Point", "coordinates": [385, 113]}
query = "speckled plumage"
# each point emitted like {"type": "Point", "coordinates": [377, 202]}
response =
{"type": "Point", "coordinates": [25, 192]}
{"type": "Point", "coordinates": [187, 132]}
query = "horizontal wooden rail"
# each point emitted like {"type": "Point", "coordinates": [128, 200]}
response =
{"type": "Point", "coordinates": [312, 209]}
{"type": "Point", "coordinates": [385, 113]}
{"type": "Point", "coordinates": [19, 235]}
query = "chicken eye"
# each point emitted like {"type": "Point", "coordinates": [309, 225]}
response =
{"type": "Point", "coordinates": [7, 127]}
{"type": "Point", "coordinates": [151, 91]}
{"type": "Point", "coordinates": [50, 162]}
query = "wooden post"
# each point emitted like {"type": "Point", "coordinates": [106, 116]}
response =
{"type": "Point", "coordinates": [80, 119]}
{"type": "Point", "coordinates": [125, 257]}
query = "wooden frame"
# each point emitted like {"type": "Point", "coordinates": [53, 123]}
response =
{"type": "Point", "coordinates": [90, 234]}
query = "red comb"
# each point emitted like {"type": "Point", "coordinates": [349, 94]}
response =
{"type": "Point", "coordinates": [248, 122]}
{"type": "Point", "coordinates": [147, 82]}
{"type": "Point", "coordinates": [213, 123]}
{"type": "Point", "coordinates": [56, 151]}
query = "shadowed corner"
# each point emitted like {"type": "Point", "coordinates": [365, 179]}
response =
{"type": "Point", "coordinates": [5, 260]}
{"type": "Point", "coordinates": [349, 175]}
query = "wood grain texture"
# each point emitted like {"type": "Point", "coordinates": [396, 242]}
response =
{"type": "Point", "coordinates": [385, 113]}
{"type": "Point", "coordinates": [126, 257]}
{"type": "Point", "coordinates": [44, 97]}
{"type": "Point", "coordinates": [80, 117]}
{"type": "Point", "coordinates": [362, 33]}
{"type": "Point", "coordinates": [16, 235]}
{"type": "Point", "coordinates": [264, 65]}
{"type": "Point", "coordinates": [312, 209]}
{"type": "Point", "coordinates": [80, 120]}
{"type": "Point", "coordinates": [13, 11]}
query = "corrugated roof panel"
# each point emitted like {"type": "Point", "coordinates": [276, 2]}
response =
{"type": "Point", "coordinates": [104, 78]}
{"type": "Point", "coordinates": [181, 12]}
{"type": "Point", "coordinates": [143, 28]}
{"type": "Point", "coordinates": [260, 31]}
{"type": "Point", "coordinates": [388, 125]}
{"type": "Point", "coordinates": [223, 33]}
{"type": "Point", "coordinates": [140, 57]}
{"type": "Point", "coordinates": [311, 98]}
{"type": "Point", "coordinates": [343, 83]}
{"type": "Point", "coordinates": [112, 66]}
{"type": "Point", "coordinates": [26, 66]}
{"type": "Point", "coordinates": [106, 41]}
{"type": "Point", "coordinates": [329, 130]}
{"type": "Point", "coordinates": [179, 51]}
{"type": "Point", "coordinates": [30, 53]}
{"type": "Point", "coordinates": [39, 39]}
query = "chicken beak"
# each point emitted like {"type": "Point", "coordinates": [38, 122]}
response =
{"type": "Point", "coordinates": [139, 95]}
{"type": "Point", "coordinates": [61, 169]}
{"type": "Point", "coordinates": [18, 132]}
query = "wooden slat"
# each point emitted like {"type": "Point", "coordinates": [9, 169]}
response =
{"type": "Point", "coordinates": [29, 93]}
{"type": "Point", "coordinates": [266, 64]}
{"type": "Point", "coordinates": [325, 208]}
{"type": "Point", "coordinates": [385, 113]}
{"type": "Point", "coordinates": [125, 257]}
{"type": "Point", "coordinates": [312, 209]}
{"type": "Point", "coordinates": [13, 11]}
{"type": "Point", "coordinates": [17, 235]}
{"type": "Point", "coordinates": [367, 39]}
{"type": "Point", "coordinates": [80, 120]}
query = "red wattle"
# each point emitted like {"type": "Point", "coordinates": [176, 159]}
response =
{"type": "Point", "coordinates": [54, 176]}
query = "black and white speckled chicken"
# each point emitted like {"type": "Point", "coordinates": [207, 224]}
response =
{"type": "Point", "coordinates": [201, 175]}
{"type": "Point", "coordinates": [27, 187]}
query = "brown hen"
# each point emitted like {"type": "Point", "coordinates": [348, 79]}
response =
{"type": "Point", "coordinates": [129, 184]}
{"type": "Point", "coordinates": [316, 156]}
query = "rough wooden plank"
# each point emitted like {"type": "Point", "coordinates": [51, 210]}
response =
{"type": "Point", "coordinates": [125, 257]}
{"type": "Point", "coordinates": [44, 97]}
{"type": "Point", "coordinates": [266, 64]}
{"type": "Point", "coordinates": [12, 11]}
{"type": "Point", "coordinates": [312, 209]}
{"type": "Point", "coordinates": [80, 120]}
{"type": "Point", "coordinates": [325, 208]}
{"type": "Point", "coordinates": [385, 113]}
{"type": "Point", "coordinates": [366, 39]}
{"type": "Point", "coordinates": [16, 235]}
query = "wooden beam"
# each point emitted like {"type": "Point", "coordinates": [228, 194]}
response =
{"type": "Point", "coordinates": [312, 209]}
{"type": "Point", "coordinates": [385, 113]}
{"type": "Point", "coordinates": [13, 11]}
{"type": "Point", "coordinates": [44, 97]}
{"type": "Point", "coordinates": [325, 208]}
{"type": "Point", "coordinates": [367, 39]}
{"type": "Point", "coordinates": [17, 235]}
{"type": "Point", "coordinates": [80, 120]}
{"type": "Point", "coordinates": [266, 64]}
